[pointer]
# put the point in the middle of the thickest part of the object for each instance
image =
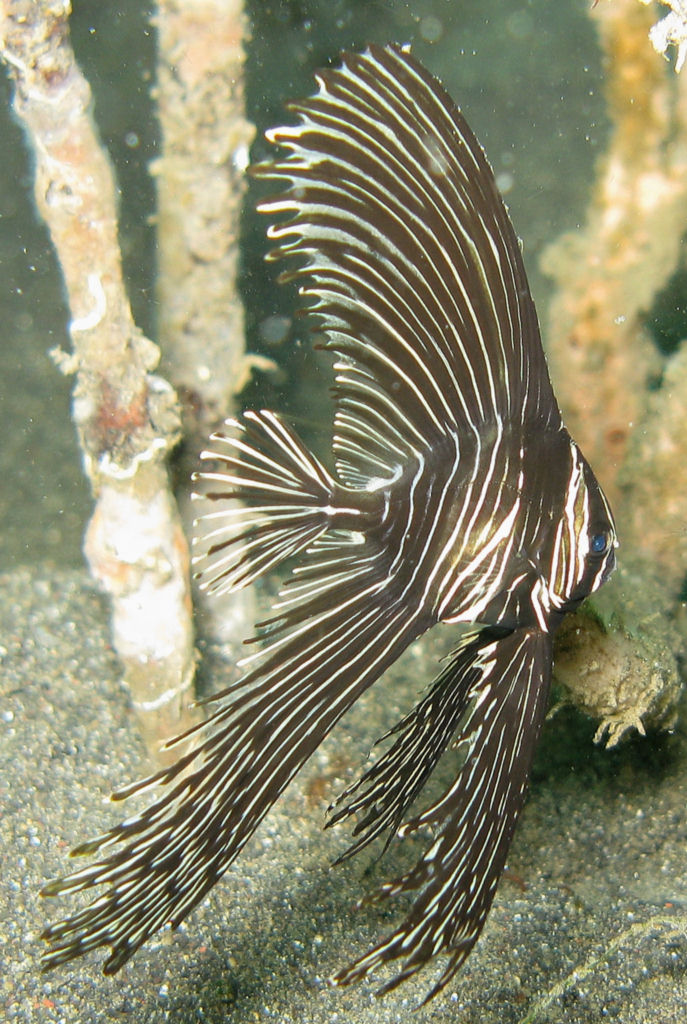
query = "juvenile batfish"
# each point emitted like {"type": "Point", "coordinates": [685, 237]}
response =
{"type": "Point", "coordinates": [457, 496]}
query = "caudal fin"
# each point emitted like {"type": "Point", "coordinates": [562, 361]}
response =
{"type": "Point", "coordinates": [273, 498]}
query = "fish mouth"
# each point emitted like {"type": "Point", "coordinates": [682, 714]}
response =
{"type": "Point", "coordinates": [610, 566]}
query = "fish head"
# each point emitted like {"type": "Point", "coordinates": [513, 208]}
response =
{"type": "Point", "coordinates": [586, 538]}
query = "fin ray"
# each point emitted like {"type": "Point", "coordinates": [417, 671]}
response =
{"type": "Point", "coordinates": [475, 818]}
{"type": "Point", "coordinates": [388, 788]}
{"type": "Point", "coordinates": [410, 260]}
{"type": "Point", "coordinates": [318, 660]}
{"type": "Point", "coordinates": [262, 462]}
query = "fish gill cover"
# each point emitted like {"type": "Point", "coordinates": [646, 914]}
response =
{"type": "Point", "coordinates": [457, 496]}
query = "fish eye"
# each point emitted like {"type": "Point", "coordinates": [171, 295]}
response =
{"type": "Point", "coordinates": [599, 542]}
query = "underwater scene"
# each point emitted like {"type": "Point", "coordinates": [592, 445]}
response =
{"type": "Point", "coordinates": [344, 519]}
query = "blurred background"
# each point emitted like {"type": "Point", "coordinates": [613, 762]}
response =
{"type": "Point", "coordinates": [526, 73]}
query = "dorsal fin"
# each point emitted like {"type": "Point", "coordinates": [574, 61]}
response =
{"type": "Point", "coordinates": [412, 262]}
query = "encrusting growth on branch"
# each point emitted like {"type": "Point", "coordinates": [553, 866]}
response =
{"type": "Point", "coordinates": [623, 664]}
{"type": "Point", "coordinates": [671, 30]}
{"type": "Point", "coordinates": [126, 417]}
{"type": "Point", "coordinates": [200, 181]}
{"type": "Point", "coordinates": [608, 273]}
{"type": "Point", "coordinates": [200, 186]}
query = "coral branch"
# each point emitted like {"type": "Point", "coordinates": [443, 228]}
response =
{"type": "Point", "coordinates": [200, 186]}
{"type": "Point", "coordinates": [608, 276]}
{"type": "Point", "coordinates": [654, 479]}
{"type": "Point", "coordinates": [126, 418]}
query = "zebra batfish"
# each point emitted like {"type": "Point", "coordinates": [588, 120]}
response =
{"type": "Point", "coordinates": [456, 495]}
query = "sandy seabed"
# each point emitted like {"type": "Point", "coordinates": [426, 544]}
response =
{"type": "Point", "coordinates": [589, 923]}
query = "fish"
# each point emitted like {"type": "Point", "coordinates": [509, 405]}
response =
{"type": "Point", "coordinates": [456, 495]}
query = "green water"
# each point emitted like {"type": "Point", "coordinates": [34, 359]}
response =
{"type": "Point", "coordinates": [587, 925]}
{"type": "Point", "coordinates": [527, 75]}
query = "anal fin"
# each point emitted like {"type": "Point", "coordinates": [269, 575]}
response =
{"type": "Point", "coordinates": [474, 820]}
{"type": "Point", "coordinates": [388, 788]}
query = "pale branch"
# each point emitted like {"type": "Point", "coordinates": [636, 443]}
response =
{"type": "Point", "coordinates": [200, 179]}
{"type": "Point", "coordinates": [126, 417]}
